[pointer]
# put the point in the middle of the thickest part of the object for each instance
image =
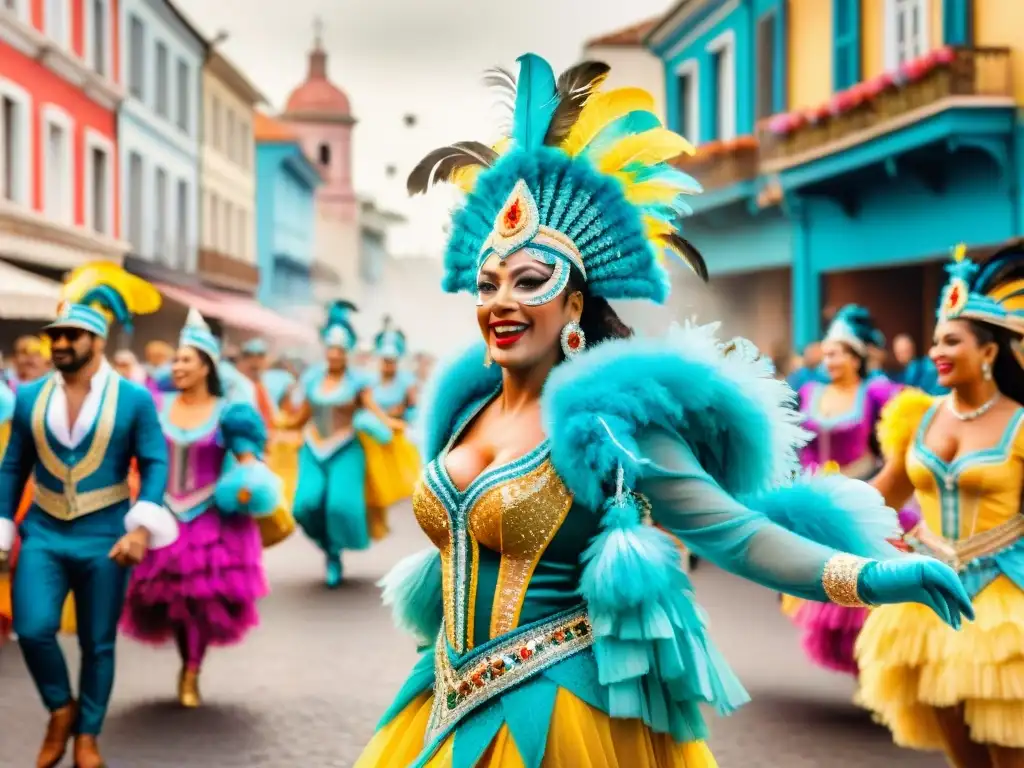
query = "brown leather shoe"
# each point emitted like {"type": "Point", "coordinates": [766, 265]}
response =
{"type": "Point", "coordinates": [87, 753]}
{"type": "Point", "coordinates": [55, 743]}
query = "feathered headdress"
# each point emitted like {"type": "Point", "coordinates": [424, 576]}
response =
{"type": "Point", "coordinates": [582, 180]}
{"type": "Point", "coordinates": [991, 294]}
{"type": "Point", "coordinates": [390, 342]}
{"type": "Point", "coordinates": [338, 330]}
{"type": "Point", "coordinates": [101, 293]}
{"type": "Point", "coordinates": [197, 334]}
{"type": "Point", "coordinates": [854, 326]}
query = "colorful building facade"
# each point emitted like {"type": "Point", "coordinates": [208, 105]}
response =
{"type": "Point", "coordinates": [286, 185]}
{"type": "Point", "coordinates": [846, 145]}
{"type": "Point", "coordinates": [60, 87]}
{"type": "Point", "coordinates": [159, 127]}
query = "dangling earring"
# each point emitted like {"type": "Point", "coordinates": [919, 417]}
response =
{"type": "Point", "coordinates": [986, 370]}
{"type": "Point", "coordinates": [574, 340]}
{"type": "Point", "coordinates": [487, 357]}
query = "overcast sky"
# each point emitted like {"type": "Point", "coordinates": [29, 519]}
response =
{"type": "Point", "coordinates": [407, 56]}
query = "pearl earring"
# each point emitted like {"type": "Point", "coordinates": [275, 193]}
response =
{"type": "Point", "coordinates": [986, 370]}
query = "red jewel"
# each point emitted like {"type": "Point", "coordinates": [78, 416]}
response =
{"type": "Point", "coordinates": [465, 688]}
{"type": "Point", "coordinates": [574, 340]}
{"type": "Point", "coordinates": [559, 636]}
{"type": "Point", "coordinates": [512, 215]}
{"type": "Point", "coordinates": [478, 681]}
{"type": "Point", "coordinates": [525, 653]}
{"type": "Point", "coordinates": [954, 295]}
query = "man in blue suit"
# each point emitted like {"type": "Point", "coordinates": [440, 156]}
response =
{"type": "Point", "coordinates": [77, 431]}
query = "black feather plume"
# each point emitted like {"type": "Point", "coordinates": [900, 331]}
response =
{"type": "Point", "coordinates": [574, 87]}
{"type": "Point", "coordinates": [504, 85]}
{"type": "Point", "coordinates": [1005, 264]}
{"type": "Point", "coordinates": [693, 258]}
{"type": "Point", "coordinates": [443, 162]}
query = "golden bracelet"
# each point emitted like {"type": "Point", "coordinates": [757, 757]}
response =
{"type": "Point", "coordinates": [840, 578]}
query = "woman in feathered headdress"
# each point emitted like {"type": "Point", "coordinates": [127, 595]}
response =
{"type": "Point", "coordinates": [394, 390]}
{"type": "Point", "coordinates": [559, 625]}
{"type": "Point", "coordinates": [203, 589]}
{"type": "Point", "coordinates": [963, 456]}
{"type": "Point", "coordinates": [341, 420]}
{"type": "Point", "coordinates": [841, 416]}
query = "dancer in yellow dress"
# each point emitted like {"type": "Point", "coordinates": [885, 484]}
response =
{"type": "Point", "coordinates": [558, 626]}
{"type": "Point", "coordinates": [963, 455]}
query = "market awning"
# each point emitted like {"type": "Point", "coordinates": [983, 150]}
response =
{"type": "Point", "coordinates": [240, 312]}
{"type": "Point", "coordinates": [25, 296]}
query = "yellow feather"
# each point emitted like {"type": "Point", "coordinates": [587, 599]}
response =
{"type": "Point", "coordinates": [1006, 290]}
{"type": "Point", "coordinates": [652, 192]}
{"type": "Point", "coordinates": [656, 227]}
{"type": "Point", "coordinates": [959, 252]}
{"type": "Point", "coordinates": [900, 419]}
{"type": "Point", "coordinates": [465, 178]}
{"type": "Point", "coordinates": [601, 110]}
{"type": "Point", "coordinates": [140, 297]}
{"type": "Point", "coordinates": [648, 148]}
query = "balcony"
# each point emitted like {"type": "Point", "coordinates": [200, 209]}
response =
{"type": "Point", "coordinates": [219, 269]}
{"type": "Point", "coordinates": [720, 164]}
{"type": "Point", "coordinates": [946, 80]}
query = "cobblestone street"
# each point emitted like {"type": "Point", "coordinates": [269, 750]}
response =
{"type": "Point", "coordinates": [307, 688]}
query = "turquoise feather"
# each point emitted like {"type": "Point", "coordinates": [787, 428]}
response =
{"type": "Point", "coordinates": [637, 121]}
{"type": "Point", "coordinates": [263, 487]}
{"type": "Point", "coordinates": [536, 101]}
{"type": "Point", "coordinates": [412, 589]}
{"type": "Point", "coordinates": [370, 425]}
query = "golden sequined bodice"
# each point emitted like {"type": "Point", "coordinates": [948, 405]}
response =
{"type": "Point", "coordinates": [975, 492]}
{"type": "Point", "coordinates": [514, 512]}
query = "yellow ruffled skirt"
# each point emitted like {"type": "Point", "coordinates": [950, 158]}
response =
{"type": "Point", "coordinates": [391, 474]}
{"type": "Point", "coordinates": [283, 461]}
{"type": "Point", "coordinates": [580, 737]}
{"type": "Point", "coordinates": [910, 663]}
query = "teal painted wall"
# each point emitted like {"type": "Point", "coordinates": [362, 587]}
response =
{"type": "Point", "coordinates": [740, 242]}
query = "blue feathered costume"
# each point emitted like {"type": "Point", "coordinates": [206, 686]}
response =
{"type": "Point", "coordinates": [557, 625]}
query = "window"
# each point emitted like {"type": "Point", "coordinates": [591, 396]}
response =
{"type": "Point", "coordinates": [99, 183]}
{"type": "Point", "coordinates": [184, 91]}
{"type": "Point", "coordinates": [324, 154]}
{"type": "Point", "coordinates": [57, 132]}
{"type": "Point", "coordinates": [958, 22]}
{"type": "Point", "coordinates": [906, 31]}
{"type": "Point", "coordinates": [244, 144]}
{"type": "Point", "coordinates": [16, 143]}
{"type": "Point", "coordinates": [767, 76]}
{"type": "Point", "coordinates": [136, 57]}
{"type": "Point", "coordinates": [136, 196]}
{"type": "Point", "coordinates": [230, 149]}
{"type": "Point", "coordinates": [846, 59]}
{"type": "Point", "coordinates": [97, 50]}
{"type": "Point", "coordinates": [723, 63]}
{"type": "Point", "coordinates": [57, 21]}
{"type": "Point", "coordinates": [160, 214]}
{"type": "Point", "coordinates": [182, 211]}
{"type": "Point", "coordinates": [214, 222]}
{"type": "Point", "coordinates": [229, 225]}
{"type": "Point", "coordinates": [161, 80]}
{"type": "Point", "coordinates": [689, 102]}
{"type": "Point", "coordinates": [215, 118]}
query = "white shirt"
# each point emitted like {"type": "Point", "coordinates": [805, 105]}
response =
{"type": "Point", "coordinates": [57, 411]}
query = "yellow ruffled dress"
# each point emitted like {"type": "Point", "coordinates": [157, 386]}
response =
{"type": "Point", "coordinates": [910, 661]}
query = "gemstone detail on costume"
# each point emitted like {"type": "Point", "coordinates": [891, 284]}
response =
{"type": "Point", "coordinates": [460, 690]}
{"type": "Point", "coordinates": [954, 298]}
{"type": "Point", "coordinates": [840, 580]}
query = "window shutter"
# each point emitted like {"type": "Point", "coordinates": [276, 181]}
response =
{"type": "Point", "coordinates": [846, 63]}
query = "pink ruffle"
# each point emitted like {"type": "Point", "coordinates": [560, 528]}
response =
{"type": "Point", "coordinates": [210, 578]}
{"type": "Point", "coordinates": [829, 634]}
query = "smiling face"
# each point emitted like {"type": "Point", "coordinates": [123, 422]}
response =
{"type": "Point", "coordinates": [958, 357]}
{"type": "Point", "coordinates": [72, 348]}
{"type": "Point", "coordinates": [519, 317]}
{"type": "Point", "coordinates": [189, 369]}
{"type": "Point", "coordinates": [841, 363]}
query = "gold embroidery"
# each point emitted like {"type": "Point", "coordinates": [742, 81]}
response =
{"type": "Point", "coordinates": [70, 477]}
{"type": "Point", "coordinates": [519, 519]}
{"type": "Point", "coordinates": [432, 517]}
{"type": "Point", "coordinates": [840, 580]}
{"type": "Point", "coordinates": [69, 506]}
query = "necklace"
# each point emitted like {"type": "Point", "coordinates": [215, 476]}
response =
{"type": "Point", "coordinates": [971, 415]}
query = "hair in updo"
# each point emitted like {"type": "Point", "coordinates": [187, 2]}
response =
{"type": "Point", "coordinates": [1006, 371]}
{"type": "Point", "coordinates": [599, 321]}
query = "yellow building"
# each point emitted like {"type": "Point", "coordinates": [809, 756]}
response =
{"type": "Point", "coordinates": [227, 255]}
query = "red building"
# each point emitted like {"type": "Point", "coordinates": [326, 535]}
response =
{"type": "Point", "coordinates": [59, 94]}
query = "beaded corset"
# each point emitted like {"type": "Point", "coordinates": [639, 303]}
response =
{"type": "Point", "coordinates": [330, 409]}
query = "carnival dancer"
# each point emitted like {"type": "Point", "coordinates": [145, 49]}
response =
{"type": "Point", "coordinates": [963, 456]}
{"type": "Point", "coordinates": [553, 443]}
{"type": "Point", "coordinates": [394, 390]}
{"type": "Point", "coordinates": [841, 415]}
{"type": "Point", "coordinates": [78, 432]}
{"type": "Point", "coordinates": [6, 413]}
{"type": "Point", "coordinates": [202, 590]}
{"type": "Point", "coordinates": [340, 417]}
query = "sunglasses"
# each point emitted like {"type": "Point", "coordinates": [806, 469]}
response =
{"type": "Point", "coordinates": [71, 334]}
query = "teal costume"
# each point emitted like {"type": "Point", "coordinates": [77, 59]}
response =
{"type": "Point", "coordinates": [81, 508]}
{"type": "Point", "coordinates": [330, 498]}
{"type": "Point", "coordinates": [390, 344]}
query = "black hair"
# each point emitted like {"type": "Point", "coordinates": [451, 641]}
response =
{"type": "Point", "coordinates": [213, 382]}
{"type": "Point", "coordinates": [599, 321]}
{"type": "Point", "coordinates": [862, 324]}
{"type": "Point", "coordinates": [1006, 371]}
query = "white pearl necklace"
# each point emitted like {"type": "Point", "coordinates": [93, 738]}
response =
{"type": "Point", "coordinates": [977, 413]}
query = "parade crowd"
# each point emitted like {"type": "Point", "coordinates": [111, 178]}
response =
{"type": "Point", "coordinates": [560, 469]}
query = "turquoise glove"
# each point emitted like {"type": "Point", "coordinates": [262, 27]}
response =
{"type": "Point", "coordinates": [916, 579]}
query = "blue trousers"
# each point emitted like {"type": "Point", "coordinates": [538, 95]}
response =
{"type": "Point", "coordinates": [330, 498]}
{"type": "Point", "coordinates": [49, 567]}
